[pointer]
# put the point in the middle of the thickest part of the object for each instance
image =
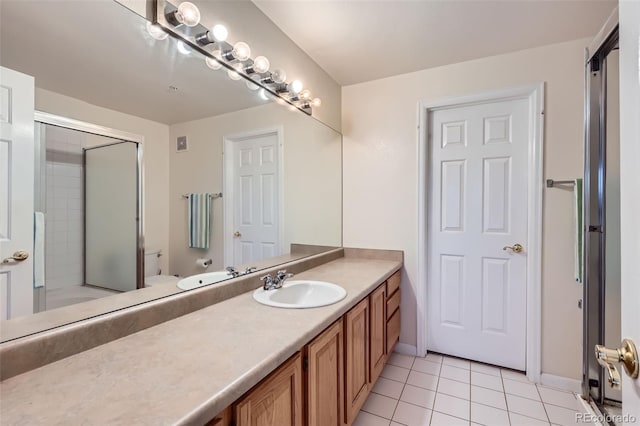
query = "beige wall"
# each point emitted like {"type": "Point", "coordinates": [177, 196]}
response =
{"type": "Point", "coordinates": [155, 155]}
{"type": "Point", "coordinates": [381, 175]}
{"type": "Point", "coordinates": [312, 179]}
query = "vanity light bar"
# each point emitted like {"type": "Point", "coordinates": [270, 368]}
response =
{"type": "Point", "coordinates": [183, 23]}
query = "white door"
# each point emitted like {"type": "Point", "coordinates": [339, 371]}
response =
{"type": "Point", "coordinates": [630, 192]}
{"type": "Point", "coordinates": [478, 186]}
{"type": "Point", "coordinates": [255, 176]}
{"type": "Point", "coordinates": [16, 192]}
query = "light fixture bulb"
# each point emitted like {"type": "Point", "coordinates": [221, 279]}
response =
{"type": "Point", "coordinates": [188, 14]}
{"type": "Point", "coordinates": [278, 76]}
{"type": "Point", "coordinates": [305, 94]}
{"type": "Point", "coordinates": [316, 102]}
{"type": "Point", "coordinates": [261, 64]}
{"type": "Point", "coordinates": [183, 48]}
{"type": "Point", "coordinates": [295, 86]}
{"type": "Point", "coordinates": [263, 95]}
{"type": "Point", "coordinates": [219, 33]}
{"type": "Point", "coordinates": [213, 64]}
{"type": "Point", "coordinates": [156, 32]}
{"type": "Point", "coordinates": [241, 51]}
{"type": "Point", "coordinates": [234, 75]}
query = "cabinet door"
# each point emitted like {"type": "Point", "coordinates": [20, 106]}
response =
{"type": "Point", "coordinates": [277, 401]}
{"type": "Point", "coordinates": [378, 324]}
{"type": "Point", "coordinates": [357, 359]}
{"type": "Point", "coordinates": [325, 380]}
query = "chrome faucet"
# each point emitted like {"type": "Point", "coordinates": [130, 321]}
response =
{"type": "Point", "coordinates": [232, 271]}
{"type": "Point", "coordinates": [274, 283]}
{"type": "Point", "coordinates": [249, 270]}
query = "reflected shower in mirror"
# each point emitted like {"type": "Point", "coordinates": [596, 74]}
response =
{"type": "Point", "coordinates": [279, 171]}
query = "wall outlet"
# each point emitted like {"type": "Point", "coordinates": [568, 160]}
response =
{"type": "Point", "coordinates": [181, 144]}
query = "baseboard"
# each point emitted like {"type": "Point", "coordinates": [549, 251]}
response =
{"type": "Point", "coordinates": [590, 414]}
{"type": "Point", "coordinates": [405, 349]}
{"type": "Point", "coordinates": [562, 383]}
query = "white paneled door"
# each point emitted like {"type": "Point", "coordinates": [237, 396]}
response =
{"type": "Point", "coordinates": [477, 215]}
{"type": "Point", "coordinates": [255, 176]}
{"type": "Point", "coordinates": [16, 192]}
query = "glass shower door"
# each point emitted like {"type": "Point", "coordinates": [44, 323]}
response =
{"type": "Point", "coordinates": [111, 216]}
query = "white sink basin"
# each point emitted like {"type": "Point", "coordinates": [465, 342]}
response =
{"type": "Point", "coordinates": [299, 294]}
{"type": "Point", "coordinates": [195, 281]}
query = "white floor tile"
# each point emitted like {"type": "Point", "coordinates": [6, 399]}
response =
{"type": "Point", "coordinates": [454, 388]}
{"type": "Point", "coordinates": [488, 397]}
{"type": "Point", "coordinates": [526, 407]}
{"type": "Point", "coordinates": [396, 424]}
{"type": "Point", "coordinates": [486, 381]}
{"type": "Point", "coordinates": [400, 360]}
{"type": "Point", "coordinates": [439, 419]}
{"type": "Point", "coordinates": [520, 420]}
{"type": "Point", "coordinates": [514, 375]}
{"type": "Point", "coordinates": [388, 387]}
{"type": "Point", "coordinates": [418, 396]}
{"type": "Point", "coordinates": [561, 416]}
{"type": "Point", "coordinates": [451, 405]}
{"type": "Point", "coordinates": [380, 405]}
{"type": "Point", "coordinates": [455, 373]}
{"type": "Point", "coordinates": [434, 358]}
{"type": "Point", "coordinates": [396, 373]}
{"type": "Point", "coordinates": [484, 368]}
{"type": "Point", "coordinates": [526, 390]}
{"type": "Point", "coordinates": [556, 397]}
{"type": "Point", "coordinates": [367, 419]}
{"type": "Point", "coordinates": [423, 380]}
{"type": "Point", "coordinates": [489, 416]}
{"type": "Point", "coordinates": [425, 366]}
{"type": "Point", "coordinates": [412, 415]}
{"type": "Point", "coordinates": [457, 362]}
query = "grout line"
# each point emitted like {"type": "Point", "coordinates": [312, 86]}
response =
{"type": "Point", "coordinates": [543, 406]}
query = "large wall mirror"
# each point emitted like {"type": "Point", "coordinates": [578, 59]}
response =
{"type": "Point", "coordinates": [151, 168]}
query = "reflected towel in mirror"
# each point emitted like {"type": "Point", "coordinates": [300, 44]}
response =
{"type": "Point", "coordinates": [199, 220]}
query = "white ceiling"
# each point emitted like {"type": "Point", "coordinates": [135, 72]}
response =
{"type": "Point", "coordinates": [362, 40]}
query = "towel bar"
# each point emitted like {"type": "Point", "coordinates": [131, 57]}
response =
{"type": "Point", "coordinates": [551, 183]}
{"type": "Point", "coordinates": [214, 195]}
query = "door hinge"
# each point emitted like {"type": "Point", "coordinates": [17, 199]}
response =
{"type": "Point", "coordinates": [595, 228]}
{"type": "Point", "coordinates": [594, 383]}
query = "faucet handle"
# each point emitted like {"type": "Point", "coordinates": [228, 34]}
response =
{"type": "Point", "coordinates": [267, 278]}
{"type": "Point", "coordinates": [281, 274]}
{"type": "Point", "coordinates": [250, 269]}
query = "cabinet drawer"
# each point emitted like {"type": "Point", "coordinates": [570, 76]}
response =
{"type": "Point", "coordinates": [393, 330]}
{"type": "Point", "coordinates": [393, 303]}
{"type": "Point", "coordinates": [393, 283]}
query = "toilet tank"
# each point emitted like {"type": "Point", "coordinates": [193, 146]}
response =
{"type": "Point", "coordinates": [151, 262]}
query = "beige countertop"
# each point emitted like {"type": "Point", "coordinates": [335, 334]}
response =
{"type": "Point", "coordinates": [186, 370]}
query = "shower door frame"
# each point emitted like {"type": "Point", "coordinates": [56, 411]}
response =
{"type": "Point", "coordinates": [594, 202]}
{"type": "Point", "coordinates": [82, 126]}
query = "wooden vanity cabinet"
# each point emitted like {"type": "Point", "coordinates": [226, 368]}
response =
{"type": "Point", "coordinates": [356, 323]}
{"type": "Point", "coordinates": [277, 400]}
{"type": "Point", "coordinates": [378, 334]}
{"type": "Point", "coordinates": [325, 377]}
{"type": "Point", "coordinates": [393, 311]}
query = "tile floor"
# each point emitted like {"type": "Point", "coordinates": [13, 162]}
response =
{"type": "Point", "coordinates": [440, 390]}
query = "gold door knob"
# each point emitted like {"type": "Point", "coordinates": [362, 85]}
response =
{"type": "Point", "coordinates": [237, 234]}
{"type": "Point", "coordinates": [18, 256]}
{"type": "Point", "coordinates": [516, 248]}
{"type": "Point", "coordinates": [627, 355]}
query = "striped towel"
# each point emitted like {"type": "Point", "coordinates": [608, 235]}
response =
{"type": "Point", "coordinates": [577, 213]}
{"type": "Point", "coordinates": [199, 220]}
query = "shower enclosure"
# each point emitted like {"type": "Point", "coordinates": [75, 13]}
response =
{"type": "Point", "coordinates": [88, 186]}
{"type": "Point", "coordinates": [602, 304]}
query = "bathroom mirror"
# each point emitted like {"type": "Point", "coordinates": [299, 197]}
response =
{"type": "Point", "coordinates": [267, 181]}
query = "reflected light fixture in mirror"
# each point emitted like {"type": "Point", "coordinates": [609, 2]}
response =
{"type": "Point", "coordinates": [183, 23]}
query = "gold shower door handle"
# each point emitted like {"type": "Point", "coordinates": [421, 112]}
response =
{"type": "Point", "coordinates": [237, 234]}
{"type": "Point", "coordinates": [516, 248]}
{"type": "Point", "coordinates": [627, 355]}
{"type": "Point", "coordinates": [18, 256]}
